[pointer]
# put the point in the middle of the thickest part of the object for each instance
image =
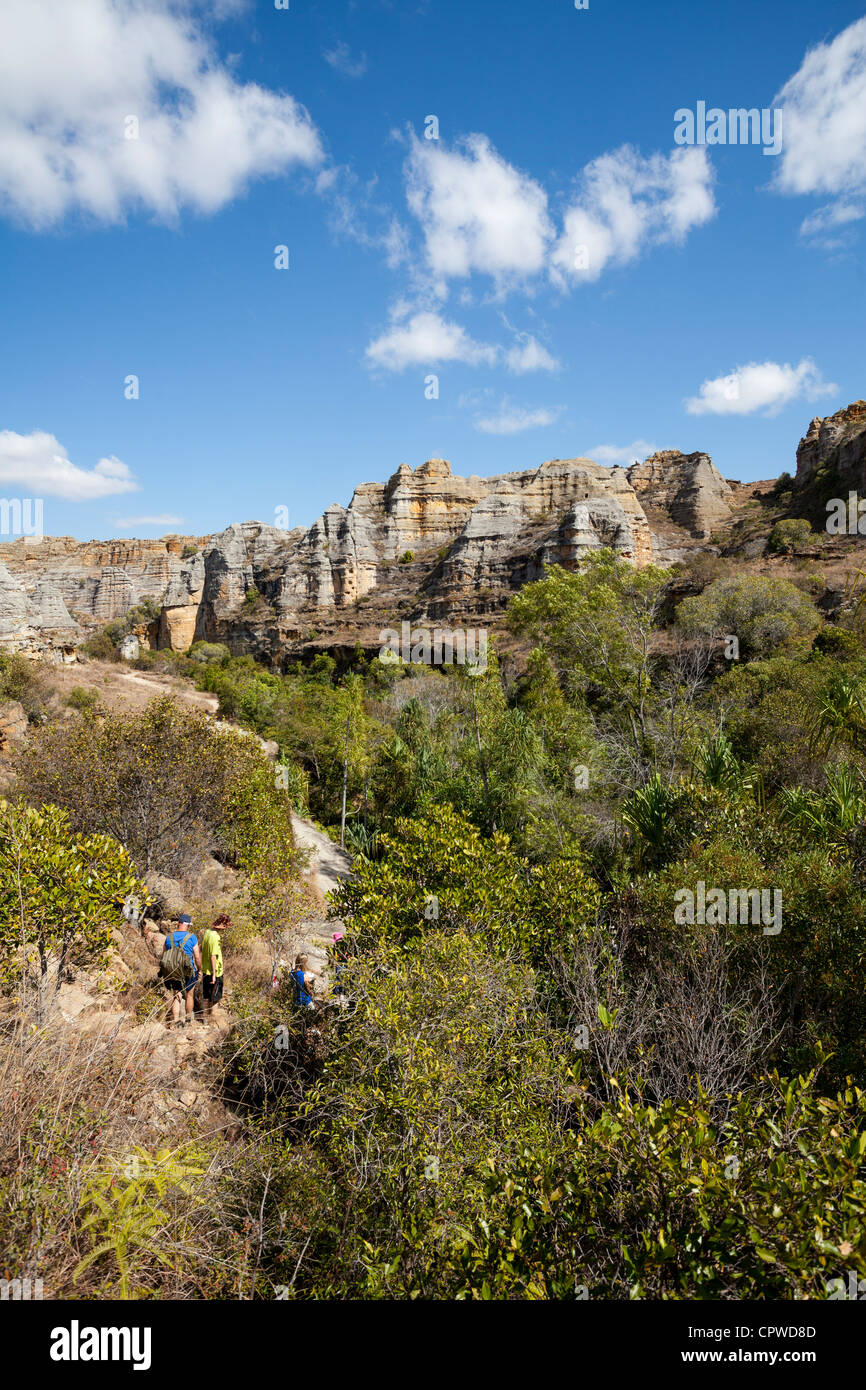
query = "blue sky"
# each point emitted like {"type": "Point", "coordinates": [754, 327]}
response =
{"type": "Point", "coordinates": [578, 282]}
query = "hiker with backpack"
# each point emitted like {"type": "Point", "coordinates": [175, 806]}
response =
{"type": "Point", "coordinates": [212, 966]}
{"type": "Point", "coordinates": [304, 983]}
{"type": "Point", "coordinates": [179, 969]}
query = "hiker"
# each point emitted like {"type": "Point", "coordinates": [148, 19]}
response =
{"type": "Point", "coordinates": [304, 983]}
{"type": "Point", "coordinates": [212, 966]}
{"type": "Point", "coordinates": [178, 968]}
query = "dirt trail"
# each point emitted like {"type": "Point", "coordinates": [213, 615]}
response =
{"type": "Point", "coordinates": [329, 864]}
{"type": "Point", "coordinates": [192, 697]}
{"type": "Point", "coordinates": [179, 1061]}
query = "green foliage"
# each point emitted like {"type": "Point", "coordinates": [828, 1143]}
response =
{"type": "Point", "coordinates": [81, 698]}
{"type": "Point", "coordinates": [209, 653]}
{"type": "Point", "coordinates": [439, 1067]}
{"type": "Point", "coordinates": [407, 557]}
{"type": "Point", "coordinates": [24, 681]}
{"type": "Point", "coordinates": [101, 647]}
{"type": "Point", "coordinates": [60, 892]}
{"type": "Point", "coordinates": [669, 1202]}
{"type": "Point", "coordinates": [763, 613]}
{"type": "Point", "coordinates": [479, 884]}
{"type": "Point", "coordinates": [126, 1212]}
{"type": "Point", "coordinates": [790, 535]}
{"type": "Point", "coordinates": [163, 784]}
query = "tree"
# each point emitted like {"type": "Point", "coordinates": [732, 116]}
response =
{"type": "Point", "coordinates": [597, 626]}
{"type": "Point", "coordinates": [763, 613]}
{"type": "Point", "coordinates": [60, 893]}
{"type": "Point", "coordinates": [165, 784]}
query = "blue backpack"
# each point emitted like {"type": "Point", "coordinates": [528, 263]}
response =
{"type": "Point", "coordinates": [303, 998]}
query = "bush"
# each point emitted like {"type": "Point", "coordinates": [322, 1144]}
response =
{"type": "Point", "coordinates": [24, 681]}
{"type": "Point", "coordinates": [838, 642]}
{"type": "Point", "coordinates": [407, 557]}
{"type": "Point", "coordinates": [58, 892]}
{"type": "Point", "coordinates": [209, 653]}
{"type": "Point", "coordinates": [477, 884]}
{"type": "Point", "coordinates": [100, 647]}
{"type": "Point", "coordinates": [165, 785]}
{"type": "Point", "coordinates": [81, 699]}
{"type": "Point", "coordinates": [790, 535]}
{"type": "Point", "coordinates": [763, 613]}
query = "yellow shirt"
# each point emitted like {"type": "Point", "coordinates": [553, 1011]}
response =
{"type": "Point", "coordinates": [211, 953]}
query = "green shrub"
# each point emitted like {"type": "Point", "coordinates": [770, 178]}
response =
{"type": "Point", "coordinates": [790, 535]}
{"type": "Point", "coordinates": [209, 653]}
{"type": "Point", "coordinates": [165, 785]}
{"type": "Point", "coordinates": [763, 613]}
{"type": "Point", "coordinates": [81, 699]}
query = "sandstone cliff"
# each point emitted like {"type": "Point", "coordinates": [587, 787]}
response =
{"type": "Point", "coordinates": [839, 443]}
{"type": "Point", "coordinates": [427, 544]}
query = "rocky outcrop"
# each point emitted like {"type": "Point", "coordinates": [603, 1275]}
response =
{"type": "Point", "coordinates": [685, 489]}
{"type": "Point", "coordinates": [48, 602]}
{"type": "Point", "coordinates": [426, 542]}
{"type": "Point", "coordinates": [837, 442]}
{"type": "Point", "coordinates": [36, 624]}
{"type": "Point", "coordinates": [87, 574]}
{"type": "Point", "coordinates": [18, 616]}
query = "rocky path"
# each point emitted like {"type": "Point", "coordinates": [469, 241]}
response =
{"type": "Point", "coordinates": [329, 865]}
{"type": "Point", "coordinates": [179, 1063]}
{"type": "Point", "coordinates": [199, 698]}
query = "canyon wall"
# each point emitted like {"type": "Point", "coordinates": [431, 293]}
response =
{"type": "Point", "coordinates": [427, 544]}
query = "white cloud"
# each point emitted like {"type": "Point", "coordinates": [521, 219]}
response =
{"type": "Point", "coordinates": [426, 339]}
{"type": "Point", "coordinates": [824, 125]}
{"type": "Point", "coordinates": [71, 75]}
{"type": "Point", "coordinates": [765, 386]}
{"type": "Point", "coordinates": [478, 212]}
{"type": "Point", "coordinates": [126, 523]}
{"type": "Point", "coordinates": [825, 227]}
{"type": "Point", "coordinates": [528, 355]}
{"type": "Point", "coordinates": [638, 450]}
{"type": "Point", "coordinates": [628, 203]}
{"type": "Point", "coordinates": [40, 465]}
{"type": "Point", "coordinates": [358, 214]}
{"type": "Point", "coordinates": [512, 419]}
{"type": "Point", "coordinates": [340, 59]}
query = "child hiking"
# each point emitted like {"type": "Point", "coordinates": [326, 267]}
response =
{"type": "Point", "coordinates": [303, 983]}
{"type": "Point", "coordinates": [178, 969]}
{"type": "Point", "coordinates": [212, 966]}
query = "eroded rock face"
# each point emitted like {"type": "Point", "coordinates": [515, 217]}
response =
{"type": "Point", "coordinates": [426, 540]}
{"type": "Point", "coordinates": [94, 578]}
{"type": "Point", "coordinates": [18, 616]}
{"type": "Point", "coordinates": [839, 441]}
{"type": "Point", "coordinates": [687, 488]}
{"type": "Point", "coordinates": [33, 623]}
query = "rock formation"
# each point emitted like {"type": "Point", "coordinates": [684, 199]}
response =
{"type": "Point", "coordinates": [837, 442]}
{"type": "Point", "coordinates": [426, 544]}
{"type": "Point", "coordinates": [33, 623]}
